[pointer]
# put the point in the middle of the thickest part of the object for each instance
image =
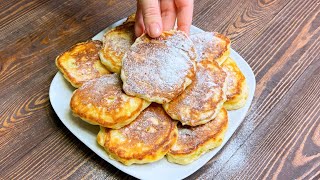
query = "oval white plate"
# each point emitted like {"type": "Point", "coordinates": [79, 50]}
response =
{"type": "Point", "coordinates": [60, 95]}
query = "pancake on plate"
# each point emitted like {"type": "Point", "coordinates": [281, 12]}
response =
{"type": "Point", "coordinates": [81, 63]}
{"type": "Point", "coordinates": [195, 141]}
{"type": "Point", "coordinates": [158, 70]}
{"type": "Point", "coordinates": [203, 99]}
{"type": "Point", "coordinates": [211, 45]}
{"type": "Point", "coordinates": [145, 140]}
{"type": "Point", "coordinates": [237, 89]}
{"type": "Point", "coordinates": [101, 102]}
{"type": "Point", "coordinates": [116, 42]}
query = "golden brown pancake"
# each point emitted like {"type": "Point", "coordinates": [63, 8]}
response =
{"type": "Point", "coordinates": [116, 43]}
{"type": "Point", "coordinates": [145, 140]}
{"type": "Point", "coordinates": [81, 63]}
{"type": "Point", "coordinates": [195, 141]}
{"type": "Point", "coordinates": [203, 99]}
{"type": "Point", "coordinates": [237, 89]}
{"type": "Point", "coordinates": [101, 102]}
{"type": "Point", "coordinates": [211, 45]}
{"type": "Point", "coordinates": [158, 70]}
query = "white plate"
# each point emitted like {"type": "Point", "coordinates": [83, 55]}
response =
{"type": "Point", "coordinates": [60, 95]}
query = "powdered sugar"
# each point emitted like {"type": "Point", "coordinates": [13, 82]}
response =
{"type": "Point", "coordinates": [209, 44]}
{"type": "Point", "coordinates": [158, 67]}
{"type": "Point", "coordinates": [201, 100]}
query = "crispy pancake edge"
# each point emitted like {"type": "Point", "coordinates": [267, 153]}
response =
{"type": "Point", "coordinates": [151, 155]}
{"type": "Point", "coordinates": [73, 81]}
{"type": "Point", "coordinates": [219, 106]}
{"type": "Point", "coordinates": [238, 99]}
{"type": "Point", "coordinates": [112, 62]}
{"type": "Point", "coordinates": [86, 114]}
{"type": "Point", "coordinates": [210, 143]}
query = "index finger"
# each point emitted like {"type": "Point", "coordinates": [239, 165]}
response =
{"type": "Point", "coordinates": [184, 14]}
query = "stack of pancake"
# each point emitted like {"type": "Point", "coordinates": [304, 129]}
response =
{"type": "Point", "coordinates": [152, 98]}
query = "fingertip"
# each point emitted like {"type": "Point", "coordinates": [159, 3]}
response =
{"type": "Point", "coordinates": [139, 25]}
{"type": "Point", "coordinates": [138, 30]}
{"type": "Point", "coordinates": [154, 29]}
{"type": "Point", "coordinates": [184, 28]}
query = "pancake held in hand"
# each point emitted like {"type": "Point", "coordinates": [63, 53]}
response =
{"type": "Point", "coordinates": [81, 63]}
{"type": "Point", "coordinates": [145, 140]}
{"type": "Point", "coordinates": [158, 70]}
{"type": "Point", "coordinates": [211, 45]}
{"type": "Point", "coordinates": [101, 102]}
{"type": "Point", "coordinates": [203, 99]}
{"type": "Point", "coordinates": [116, 43]}
{"type": "Point", "coordinates": [195, 141]}
{"type": "Point", "coordinates": [237, 89]}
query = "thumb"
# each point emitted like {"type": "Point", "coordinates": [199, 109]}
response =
{"type": "Point", "coordinates": [152, 17]}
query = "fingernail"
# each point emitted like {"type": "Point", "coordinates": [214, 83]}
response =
{"type": "Point", "coordinates": [154, 30]}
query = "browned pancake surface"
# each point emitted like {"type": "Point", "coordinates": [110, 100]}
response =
{"type": "Point", "coordinates": [81, 63]}
{"type": "Point", "coordinates": [102, 102]}
{"type": "Point", "coordinates": [191, 139]}
{"type": "Point", "coordinates": [203, 99]}
{"type": "Point", "coordinates": [116, 43]}
{"type": "Point", "coordinates": [146, 139]}
{"type": "Point", "coordinates": [211, 45]}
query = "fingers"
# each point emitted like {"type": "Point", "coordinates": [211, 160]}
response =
{"type": "Point", "coordinates": [184, 14]}
{"type": "Point", "coordinates": [139, 25]}
{"type": "Point", "coordinates": [151, 17]}
{"type": "Point", "coordinates": [168, 14]}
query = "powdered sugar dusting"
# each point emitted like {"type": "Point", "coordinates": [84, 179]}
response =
{"type": "Point", "coordinates": [150, 126]}
{"type": "Point", "coordinates": [202, 96]}
{"type": "Point", "coordinates": [189, 138]}
{"type": "Point", "coordinates": [158, 67]}
{"type": "Point", "coordinates": [209, 44]}
{"type": "Point", "coordinates": [101, 91]}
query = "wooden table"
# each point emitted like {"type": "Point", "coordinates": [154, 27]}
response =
{"type": "Point", "coordinates": [280, 137]}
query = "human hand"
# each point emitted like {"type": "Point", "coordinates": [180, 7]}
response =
{"type": "Point", "coordinates": [155, 16]}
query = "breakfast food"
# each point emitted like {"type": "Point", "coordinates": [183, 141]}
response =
{"type": "Point", "coordinates": [203, 99]}
{"type": "Point", "coordinates": [163, 99]}
{"type": "Point", "coordinates": [116, 43]}
{"type": "Point", "coordinates": [145, 140]}
{"type": "Point", "coordinates": [237, 89]}
{"type": "Point", "coordinates": [211, 45]}
{"type": "Point", "coordinates": [194, 141]}
{"type": "Point", "coordinates": [101, 102]}
{"type": "Point", "coordinates": [81, 63]}
{"type": "Point", "coordinates": [158, 70]}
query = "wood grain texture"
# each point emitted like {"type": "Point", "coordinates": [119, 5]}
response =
{"type": "Point", "coordinates": [279, 139]}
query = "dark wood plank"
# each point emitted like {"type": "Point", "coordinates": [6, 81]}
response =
{"type": "Point", "coordinates": [287, 145]}
{"type": "Point", "coordinates": [240, 20]}
{"type": "Point", "coordinates": [278, 38]}
{"type": "Point", "coordinates": [27, 64]}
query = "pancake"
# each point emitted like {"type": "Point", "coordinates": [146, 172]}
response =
{"type": "Point", "coordinates": [211, 45]}
{"type": "Point", "coordinates": [203, 99]}
{"type": "Point", "coordinates": [237, 89]}
{"type": "Point", "coordinates": [195, 141]}
{"type": "Point", "coordinates": [158, 70]}
{"type": "Point", "coordinates": [116, 43]}
{"type": "Point", "coordinates": [81, 63]}
{"type": "Point", "coordinates": [145, 140]}
{"type": "Point", "coordinates": [101, 102]}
